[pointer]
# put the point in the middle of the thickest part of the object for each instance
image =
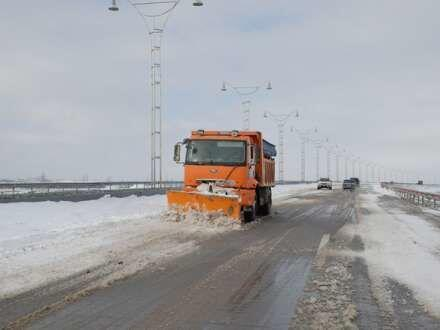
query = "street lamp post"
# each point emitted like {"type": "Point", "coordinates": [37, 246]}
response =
{"type": "Point", "coordinates": [353, 165]}
{"type": "Point", "coordinates": [155, 15]}
{"type": "Point", "coordinates": [281, 121]}
{"type": "Point", "coordinates": [244, 92]}
{"type": "Point", "coordinates": [329, 151]}
{"type": "Point", "coordinates": [338, 155]}
{"type": "Point", "coordinates": [318, 146]}
{"type": "Point", "coordinates": [304, 135]}
{"type": "Point", "coordinates": [346, 163]}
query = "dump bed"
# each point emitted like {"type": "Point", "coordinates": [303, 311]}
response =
{"type": "Point", "coordinates": [269, 149]}
{"type": "Point", "coordinates": [266, 175]}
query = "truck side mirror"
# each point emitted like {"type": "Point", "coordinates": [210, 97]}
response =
{"type": "Point", "coordinates": [177, 152]}
{"type": "Point", "coordinates": [252, 155]}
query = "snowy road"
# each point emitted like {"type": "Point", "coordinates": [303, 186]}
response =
{"type": "Point", "coordinates": [327, 259]}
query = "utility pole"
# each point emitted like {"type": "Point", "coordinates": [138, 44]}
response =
{"type": "Point", "coordinates": [281, 121]}
{"type": "Point", "coordinates": [155, 15]}
{"type": "Point", "coordinates": [244, 92]}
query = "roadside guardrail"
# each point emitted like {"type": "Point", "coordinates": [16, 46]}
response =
{"type": "Point", "coordinates": [80, 191]}
{"type": "Point", "coordinates": [416, 197]}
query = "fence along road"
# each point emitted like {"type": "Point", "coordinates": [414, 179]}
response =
{"type": "Point", "coordinates": [81, 191]}
{"type": "Point", "coordinates": [416, 197]}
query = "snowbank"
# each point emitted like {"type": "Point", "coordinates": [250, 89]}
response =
{"type": "Point", "coordinates": [377, 188]}
{"type": "Point", "coordinates": [19, 220]}
{"type": "Point", "coordinates": [49, 241]}
{"type": "Point", "coordinates": [402, 247]}
{"type": "Point", "coordinates": [281, 191]}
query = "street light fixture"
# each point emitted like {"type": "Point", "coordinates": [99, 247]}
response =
{"type": "Point", "coordinates": [244, 92]}
{"type": "Point", "coordinates": [114, 6]}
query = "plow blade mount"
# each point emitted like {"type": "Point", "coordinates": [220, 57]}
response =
{"type": "Point", "coordinates": [187, 201]}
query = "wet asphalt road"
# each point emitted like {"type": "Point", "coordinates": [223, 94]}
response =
{"type": "Point", "coordinates": [250, 279]}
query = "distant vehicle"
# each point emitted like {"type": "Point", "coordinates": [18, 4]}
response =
{"type": "Point", "coordinates": [348, 184]}
{"type": "Point", "coordinates": [420, 182]}
{"type": "Point", "coordinates": [325, 183]}
{"type": "Point", "coordinates": [356, 181]}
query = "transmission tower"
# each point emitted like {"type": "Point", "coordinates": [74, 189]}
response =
{"type": "Point", "coordinates": [155, 15]}
{"type": "Point", "coordinates": [281, 121]}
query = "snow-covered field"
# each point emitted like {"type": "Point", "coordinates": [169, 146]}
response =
{"type": "Point", "coordinates": [399, 246]}
{"type": "Point", "coordinates": [47, 241]}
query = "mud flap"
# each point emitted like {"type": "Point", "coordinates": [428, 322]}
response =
{"type": "Point", "coordinates": [186, 201]}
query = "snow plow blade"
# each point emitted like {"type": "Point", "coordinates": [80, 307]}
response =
{"type": "Point", "coordinates": [187, 201]}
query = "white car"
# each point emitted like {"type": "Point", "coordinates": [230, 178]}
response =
{"type": "Point", "coordinates": [325, 183]}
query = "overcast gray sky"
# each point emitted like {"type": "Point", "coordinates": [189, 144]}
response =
{"type": "Point", "coordinates": [74, 97]}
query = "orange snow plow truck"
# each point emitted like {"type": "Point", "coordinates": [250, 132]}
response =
{"type": "Point", "coordinates": [229, 172]}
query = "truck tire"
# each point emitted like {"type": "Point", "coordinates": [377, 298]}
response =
{"type": "Point", "coordinates": [250, 214]}
{"type": "Point", "coordinates": [265, 208]}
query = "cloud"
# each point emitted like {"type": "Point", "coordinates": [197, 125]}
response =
{"type": "Point", "coordinates": [74, 95]}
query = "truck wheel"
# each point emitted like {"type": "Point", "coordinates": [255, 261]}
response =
{"type": "Point", "coordinates": [265, 208]}
{"type": "Point", "coordinates": [249, 214]}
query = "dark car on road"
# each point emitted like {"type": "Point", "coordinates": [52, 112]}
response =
{"type": "Point", "coordinates": [348, 184]}
{"type": "Point", "coordinates": [355, 181]}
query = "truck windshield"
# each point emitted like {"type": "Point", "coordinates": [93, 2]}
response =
{"type": "Point", "coordinates": [215, 152]}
